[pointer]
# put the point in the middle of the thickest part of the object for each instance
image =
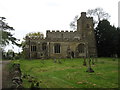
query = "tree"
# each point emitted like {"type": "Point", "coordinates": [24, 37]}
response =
{"type": "Point", "coordinates": [7, 36]}
{"type": "Point", "coordinates": [98, 14]}
{"type": "Point", "coordinates": [73, 24]}
{"type": "Point", "coordinates": [27, 40]}
{"type": "Point", "coordinates": [10, 54]}
{"type": "Point", "coordinates": [107, 39]}
{"type": "Point", "coordinates": [35, 34]}
{"type": "Point", "coordinates": [32, 35]}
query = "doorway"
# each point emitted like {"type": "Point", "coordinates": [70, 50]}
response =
{"type": "Point", "coordinates": [72, 54]}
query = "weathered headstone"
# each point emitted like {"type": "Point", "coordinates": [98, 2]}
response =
{"type": "Point", "coordinates": [89, 66]}
{"type": "Point", "coordinates": [55, 60]}
{"type": "Point", "coordinates": [84, 62]}
{"type": "Point", "coordinates": [37, 85]}
{"type": "Point", "coordinates": [59, 61]}
{"type": "Point", "coordinates": [32, 85]}
{"type": "Point", "coordinates": [114, 57]}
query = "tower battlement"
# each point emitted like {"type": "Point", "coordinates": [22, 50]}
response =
{"type": "Point", "coordinates": [61, 34]}
{"type": "Point", "coordinates": [84, 15]}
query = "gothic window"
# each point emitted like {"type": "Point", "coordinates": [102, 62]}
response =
{"type": "Point", "coordinates": [57, 48]}
{"type": "Point", "coordinates": [44, 46]}
{"type": "Point", "coordinates": [33, 48]}
{"type": "Point", "coordinates": [81, 48]}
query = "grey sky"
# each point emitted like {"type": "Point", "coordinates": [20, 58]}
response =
{"type": "Point", "coordinates": [41, 15]}
{"type": "Point", "coordinates": [119, 14]}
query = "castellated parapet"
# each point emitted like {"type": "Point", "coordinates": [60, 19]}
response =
{"type": "Point", "coordinates": [52, 31]}
{"type": "Point", "coordinates": [62, 34]}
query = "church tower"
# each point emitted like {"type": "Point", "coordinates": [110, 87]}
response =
{"type": "Point", "coordinates": [86, 29]}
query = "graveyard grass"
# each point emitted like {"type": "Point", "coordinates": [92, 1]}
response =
{"type": "Point", "coordinates": [70, 73]}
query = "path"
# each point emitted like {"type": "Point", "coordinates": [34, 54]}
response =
{"type": "Point", "coordinates": [0, 75]}
{"type": "Point", "coordinates": [5, 75]}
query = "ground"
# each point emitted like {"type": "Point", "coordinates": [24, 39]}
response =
{"type": "Point", "coordinates": [6, 80]}
{"type": "Point", "coordinates": [69, 73]}
{"type": "Point", "coordinates": [0, 74]}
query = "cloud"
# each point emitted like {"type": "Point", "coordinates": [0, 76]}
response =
{"type": "Point", "coordinates": [53, 4]}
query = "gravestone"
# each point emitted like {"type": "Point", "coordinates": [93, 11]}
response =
{"type": "Point", "coordinates": [55, 60]}
{"type": "Point", "coordinates": [59, 61]}
{"type": "Point", "coordinates": [84, 62]}
{"type": "Point", "coordinates": [89, 66]}
{"type": "Point", "coordinates": [37, 85]}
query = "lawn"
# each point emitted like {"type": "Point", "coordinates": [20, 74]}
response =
{"type": "Point", "coordinates": [70, 73]}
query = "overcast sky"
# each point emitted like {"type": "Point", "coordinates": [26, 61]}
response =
{"type": "Point", "coordinates": [41, 15]}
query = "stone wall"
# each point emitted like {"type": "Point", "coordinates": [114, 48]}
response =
{"type": "Point", "coordinates": [62, 34]}
{"type": "Point", "coordinates": [64, 48]}
{"type": "Point", "coordinates": [16, 76]}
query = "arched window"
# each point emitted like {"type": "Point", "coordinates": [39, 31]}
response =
{"type": "Point", "coordinates": [56, 48]}
{"type": "Point", "coordinates": [44, 46]}
{"type": "Point", "coordinates": [81, 48]}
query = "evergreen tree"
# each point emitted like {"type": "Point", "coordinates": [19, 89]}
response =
{"type": "Point", "coordinates": [6, 35]}
{"type": "Point", "coordinates": [107, 39]}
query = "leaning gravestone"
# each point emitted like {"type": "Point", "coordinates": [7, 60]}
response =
{"type": "Point", "coordinates": [59, 61]}
{"type": "Point", "coordinates": [37, 85]}
{"type": "Point", "coordinates": [89, 66]}
{"type": "Point", "coordinates": [55, 60]}
{"type": "Point", "coordinates": [84, 62]}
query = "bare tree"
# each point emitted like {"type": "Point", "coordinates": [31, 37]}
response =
{"type": "Point", "coordinates": [98, 14]}
{"type": "Point", "coordinates": [73, 24]}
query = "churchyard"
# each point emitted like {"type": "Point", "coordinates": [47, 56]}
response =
{"type": "Point", "coordinates": [68, 73]}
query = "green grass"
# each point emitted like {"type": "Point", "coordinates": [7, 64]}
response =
{"type": "Point", "coordinates": [70, 74]}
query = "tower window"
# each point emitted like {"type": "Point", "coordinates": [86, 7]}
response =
{"type": "Point", "coordinates": [57, 48]}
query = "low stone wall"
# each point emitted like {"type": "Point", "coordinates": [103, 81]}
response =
{"type": "Point", "coordinates": [16, 76]}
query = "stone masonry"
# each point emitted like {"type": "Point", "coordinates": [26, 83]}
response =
{"type": "Point", "coordinates": [64, 44]}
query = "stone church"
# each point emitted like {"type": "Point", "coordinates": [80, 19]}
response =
{"type": "Point", "coordinates": [64, 44]}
